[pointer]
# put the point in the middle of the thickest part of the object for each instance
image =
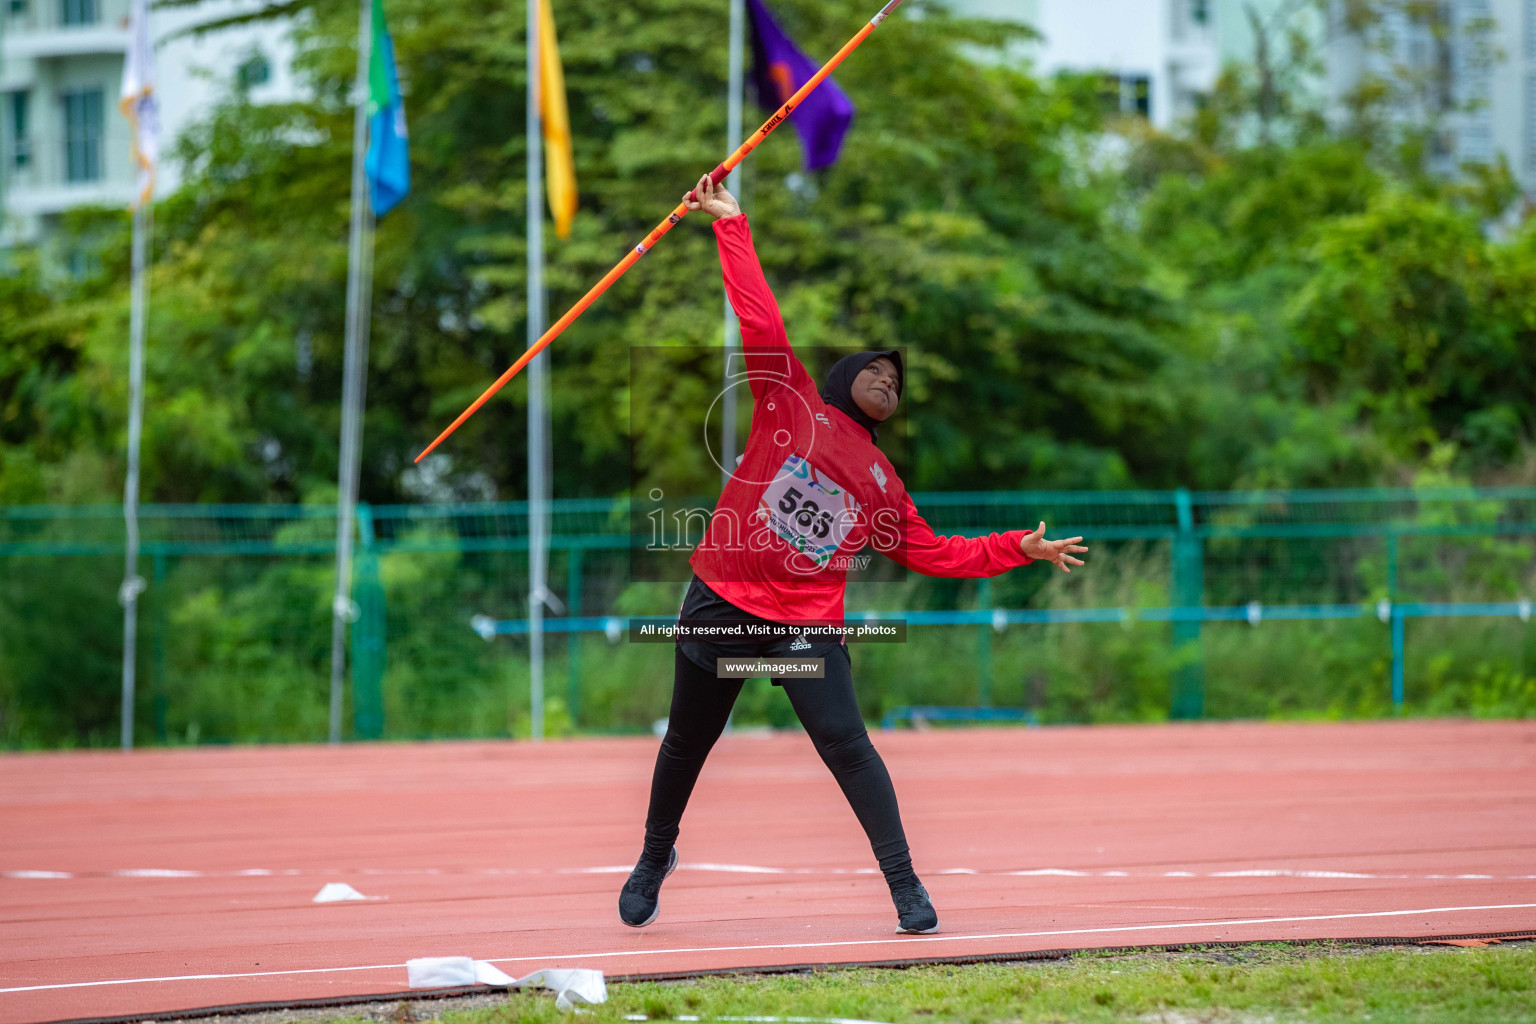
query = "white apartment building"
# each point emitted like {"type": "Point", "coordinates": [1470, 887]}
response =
{"type": "Point", "coordinates": [1164, 55]}
{"type": "Point", "coordinates": [63, 142]}
{"type": "Point", "coordinates": [1159, 57]}
{"type": "Point", "coordinates": [1483, 68]}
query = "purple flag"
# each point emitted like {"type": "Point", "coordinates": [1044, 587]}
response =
{"type": "Point", "coordinates": [779, 70]}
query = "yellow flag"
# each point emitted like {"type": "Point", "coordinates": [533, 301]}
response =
{"type": "Point", "coordinates": [559, 164]}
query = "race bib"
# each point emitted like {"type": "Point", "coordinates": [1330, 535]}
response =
{"type": "Point", "coordinates": [810, 511]}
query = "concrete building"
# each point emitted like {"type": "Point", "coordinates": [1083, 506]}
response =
{"type": "Point", "coordinates": [63, 142]}
{"type": "Point", "coordinates": [1473, 74]}
{"type": "Point", "coordinates": [1159, 57]}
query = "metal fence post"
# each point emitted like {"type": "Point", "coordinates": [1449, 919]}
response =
{"type": "Point", "coordinates": [160, 603]}
{"type": "Point", "coordinates": [367, 635]}
{"type": "Point", "coordinates": [573, 638]}
{"type": "Point", "coordinates": [1398, 626]}
{"type": "Point", "coordinates": [984, 646]}
{"type": "Point", "coordinates": [1398, 645]}
{"type": "Point", "coordinates": [1188, 592]}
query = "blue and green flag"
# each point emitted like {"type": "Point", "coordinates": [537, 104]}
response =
{"type": "Point", "coordinates": [388, 162]}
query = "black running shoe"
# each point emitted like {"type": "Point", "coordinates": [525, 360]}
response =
{"type": "Point", "coordinates": [638, 903]}
{"type": "Point", "coordinates": [916, 910]}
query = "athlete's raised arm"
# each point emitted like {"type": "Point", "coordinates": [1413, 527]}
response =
{"type": "Point", "coordinates": [763, 337]}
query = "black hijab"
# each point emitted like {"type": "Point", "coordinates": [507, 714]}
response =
{"type": "Point", "coordinates": [837, 390]}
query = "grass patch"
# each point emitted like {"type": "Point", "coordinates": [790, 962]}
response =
{"type": "Point", "coordinates": [1260, 984]}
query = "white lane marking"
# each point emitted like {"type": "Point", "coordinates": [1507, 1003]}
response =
{"type": "Point", "coordinates": [752, 869]}
{"type": "Point", "coordinates": [156, 873]}
{"type": "Point", "coordinates": [1280, 873]}
{"type": "Point", "coordinates": [906, 940]}
{"type": "Point", "coordinates": [38, 874]}
{"type": "Point", "coordinates": [200, 977]}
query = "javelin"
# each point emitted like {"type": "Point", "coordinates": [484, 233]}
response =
{"type": "Point", "coordinates": [717, 175]}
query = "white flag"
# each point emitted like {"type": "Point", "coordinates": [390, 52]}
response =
{"type": "Point", "coordinates": [138, 102]}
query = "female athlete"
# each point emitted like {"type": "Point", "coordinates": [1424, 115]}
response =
{"type": "Point", "coordinates": [811, 490]}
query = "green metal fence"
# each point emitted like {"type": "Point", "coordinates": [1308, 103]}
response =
{"type": "Point", "coordinates": [236, 616]}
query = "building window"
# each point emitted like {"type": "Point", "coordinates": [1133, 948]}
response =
{"type": "Point", "coordinates": [82, 263]}
{"type": "Point", "coordinates": [21, 145]}
{"type": "Point", "coordinates": [1530, 122]}
{"type": "Point", "coordinates": [79, 12]}
{"type": "Point", "coordinates": [82, 135]}
{"type": "Point", "coordinates": [18, 8]}
{"type": "Point", "coordinates": [1191, 19]}
{"type": "Point", "coordinates": [253, 71]}
{"type": "Point", "coordinates": [1128, 95]}
{"type": "Point", "coordinates": [1475, 144]}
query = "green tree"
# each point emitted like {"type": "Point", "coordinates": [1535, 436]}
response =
{"type": "Point", "coordinates": [974, 240]}
{"type": "Point", "coordinates": [1414, 318]}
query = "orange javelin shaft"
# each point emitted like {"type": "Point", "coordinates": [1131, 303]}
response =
{"type": "Point", "coordinates": [717, 175]}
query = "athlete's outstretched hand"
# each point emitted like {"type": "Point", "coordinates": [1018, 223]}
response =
{"type": "Point", "coordinates": [712, 199]}
{"type": "Point", "coordinates": [1059, 552]}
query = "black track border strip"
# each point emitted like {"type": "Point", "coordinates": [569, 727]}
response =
{"type": "Point", "coordinates": [423, 994]}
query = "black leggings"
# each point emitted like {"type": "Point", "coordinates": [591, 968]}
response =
{"type": "Point", "coordinates": [826, 707]}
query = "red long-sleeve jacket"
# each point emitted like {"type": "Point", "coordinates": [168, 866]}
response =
{"type": "Point", "coordinates": [811, 489]}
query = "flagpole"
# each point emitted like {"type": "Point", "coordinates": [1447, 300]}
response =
{"type": "Point", "coordinates": [733, 183]}
{"type": "Point", "coordinates": [538, 370]}
{"type": "Point", "coordinates": [138, 104]}
{"type": "Point", "coordinates": [133, 583]}
{"type": "Point", "coordinates": [355, 369]}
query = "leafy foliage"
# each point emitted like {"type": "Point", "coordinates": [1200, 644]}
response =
{"type": "Point", "coordinates": [1208, 311]}
{"type": "Point", "coordinates": [1260, 298]}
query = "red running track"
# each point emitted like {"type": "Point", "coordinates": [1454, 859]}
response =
{"type": "Point", "coordinates": [123, 875]}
